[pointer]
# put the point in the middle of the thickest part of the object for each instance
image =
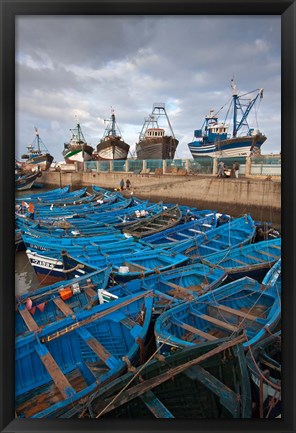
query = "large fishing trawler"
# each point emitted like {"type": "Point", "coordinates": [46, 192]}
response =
{"type": "Point", "coordinates": [153, 143]}
{"type": "Point", "coordinates": [213, 138]}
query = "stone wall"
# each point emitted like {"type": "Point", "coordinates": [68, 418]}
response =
{"type": "Point", "coordinates": [260, 197]}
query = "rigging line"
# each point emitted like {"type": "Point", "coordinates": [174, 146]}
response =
{"type": "Point", "coordinates": [274, 402]}
{"type": "Point", "coordinates": [273, 385]}
{"type": "Point", "coordinates": [129, 382]}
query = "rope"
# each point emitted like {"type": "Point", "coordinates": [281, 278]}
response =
{"type": "Point", "coordinates": [130, 381]}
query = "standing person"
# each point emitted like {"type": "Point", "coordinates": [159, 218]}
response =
{"type": "Point", "coordinates": [128, 183]}
{"type": "Point", "coordinates": [121, 184]}
{"type": "Point", "coordinates": [236, 168]}
{"type": "Point", "coordinates": [221, 168]}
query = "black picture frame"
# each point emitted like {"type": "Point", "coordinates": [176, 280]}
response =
{"type": "Point", "coordinates": [9, 10]}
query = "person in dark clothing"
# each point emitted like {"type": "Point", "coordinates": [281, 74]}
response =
{"type": "Point", "coordinates": [236, 168]}
{"type": "Point", "coordinates": [128, 183]}
{"type": "Point", "coordinates": [121, 184]}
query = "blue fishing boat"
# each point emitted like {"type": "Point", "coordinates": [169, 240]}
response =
{"type": "Point", "coordinates": [235, 233]}
{"type": "Point", "coordinates": [129, 266]}
{"type": "Point", "coordinates": [53, 211]}
{"type": "Point", "coordinates": [265, 366]}
{"type": "Point", "coordinates": [89, 222]}
{"type": "Point", "coordinates": [213, 138]}
{"type": "Point", "coordinates": [172, 236]}
{"type": "Point", "coordinates": [168, 217]}
{"type": "Point", "coordinates": [48, 265]}
{"type": "Point", "coordinates": [38, 244]}
{"type": "Point", "coordinates": [210, 381]}
{"type": "Point", "coordinates": [250, 260]}
{"type": "Point", "coordinates": [51, 303]}
{"type": "Point", "coordinates": [54, 193]}
{"type": "Point", "coordinates": [64, 362]}
{"type": "Point", "coordinates": [241, 306]}
{"type": "Point", "coordinates": [169, 287]}
{"type": "Point", "coordinates": [67, 230]}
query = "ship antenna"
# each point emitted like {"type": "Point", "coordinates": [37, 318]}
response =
{"type": "Point", "coordinates": [37, 136]}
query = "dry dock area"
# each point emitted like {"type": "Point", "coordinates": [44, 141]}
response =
{"type": "Point", "coordinates": [261, 197]}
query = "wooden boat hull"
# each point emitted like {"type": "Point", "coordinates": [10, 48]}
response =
{"type": "Point", "coordinates": [251, 260]}
{"type": "Point", "coordinates": [126, 267]}
{"type": "Point", "coordinates": [208, 382]}
{"type": "Point", "coordinates": [26, 182]}
{"type": "Point", "coordinates": [232, 234]}
{"type": "Point", "coordinates": [44, 161]}
{"type": "Point", "coordinates": [65, 361]}
{"type": "Point", "coordinates": [165, 219]}
{"type": "Point", "coordinates": [265, 362]}
{"type": "Point", "coordinates": [112, 148]}
{"type": "Point", "coordinates": [157, 148]}
{"type": "Point", "coordinates": [172, 236]}
{"type": "Point", "coordinates": [77, 153]}
{"type": "Point", "coordinates": [243, 305]}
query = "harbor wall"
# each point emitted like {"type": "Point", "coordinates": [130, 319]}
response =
{"type": "Point", "coordinates": [259, 197]}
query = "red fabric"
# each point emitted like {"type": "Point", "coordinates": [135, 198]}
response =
{"type": "Point", "coordinates": [32, 311]}
{"type": "Point", "coordinates": [41, 306]}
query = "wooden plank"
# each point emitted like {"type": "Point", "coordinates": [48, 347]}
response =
{"type": "Point", "coordinates": [90, 292]}
{"type": "Point", "coordinates": [135, 265]}
{"type": "Point", "coordinates": [95, 346]}
{"type": "Point", "coordinates": [96, 316]}
{"type": "Point", "coordinates": [278, 247]}
{"type": "Point", "coordinates": [235, 312]}
{"type": "Point", "coordinates": [269, 254]}
{"type": "Point", "coordinates": [28, 319]}
{"type": "Point", "coordinates": [217, 322]}
{"type": "Point", "coordinates": [255, 258]}
{"type": "Point", "coordinates": [57, 375]}
{"type": "Point", "coordinates": [195, 331]}
{"type": "Point", "coordinates": [65, 309]}
{"type": "Point", "coordinates": [235, 260]}
{"type": "Point", "coordinates": [149, 384]}
{"type": "Point", "coordinates": [173, 285]}
{"type": "Point", "coordinates": [156, 407]}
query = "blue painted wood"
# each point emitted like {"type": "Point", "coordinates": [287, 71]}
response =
{"type": "Point", "coordinates": [92, 343]}
{"type": "Point", "coordinates": [250, 260]}
{"type": "Point", "coordinates": [181, 232]}
{"type": "Point", "coordinates": [237, 232]}
{"type": "Point", "coordinates": [42, 302]}
{"type": "Point", "coordinates": [264, 360]}
{"type": "Point", "coordinates": [129, 266]}
{"type": "Point", "coordinates": [273, 276]}
{"type": "Point", "coordinates": [44, 195]}
{"type": "Point", "coordinates": [242, 305]}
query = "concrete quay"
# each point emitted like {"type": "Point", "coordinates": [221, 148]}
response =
{"type": "Point", "coordinates": [261, 197]}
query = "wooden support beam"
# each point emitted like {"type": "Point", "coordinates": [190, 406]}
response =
{"type": "Point", "coordinates": [235, 312]}
{"type": "Point", "coordinates": [57, 375]}
{"type": "Point", "coordinates": [217, 322]}
{"type": "Point", "coordinates": [156, 407]}
{"type": "Point", "coordinates": [269, 254]}
{"type": "Point", "coordinates": [65, 309]}
{"type": "Point", "coordinates": [135, 265]}
{"type": "Point", "coordinates": [95, 346]}
{"type": "Point", "coordinates": [90, 292]}
{"type": "Point", "coordinates": [28, 319]}
{"type": "Point", "coordinates": [195, 331]}
{"type": "Point", "coordinates": [255, 258]}
{"type": "Point", "coordinates": [149, 384]}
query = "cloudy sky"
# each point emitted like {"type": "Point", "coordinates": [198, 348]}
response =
{"type": "Point", "coordinates": [83, 66]}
